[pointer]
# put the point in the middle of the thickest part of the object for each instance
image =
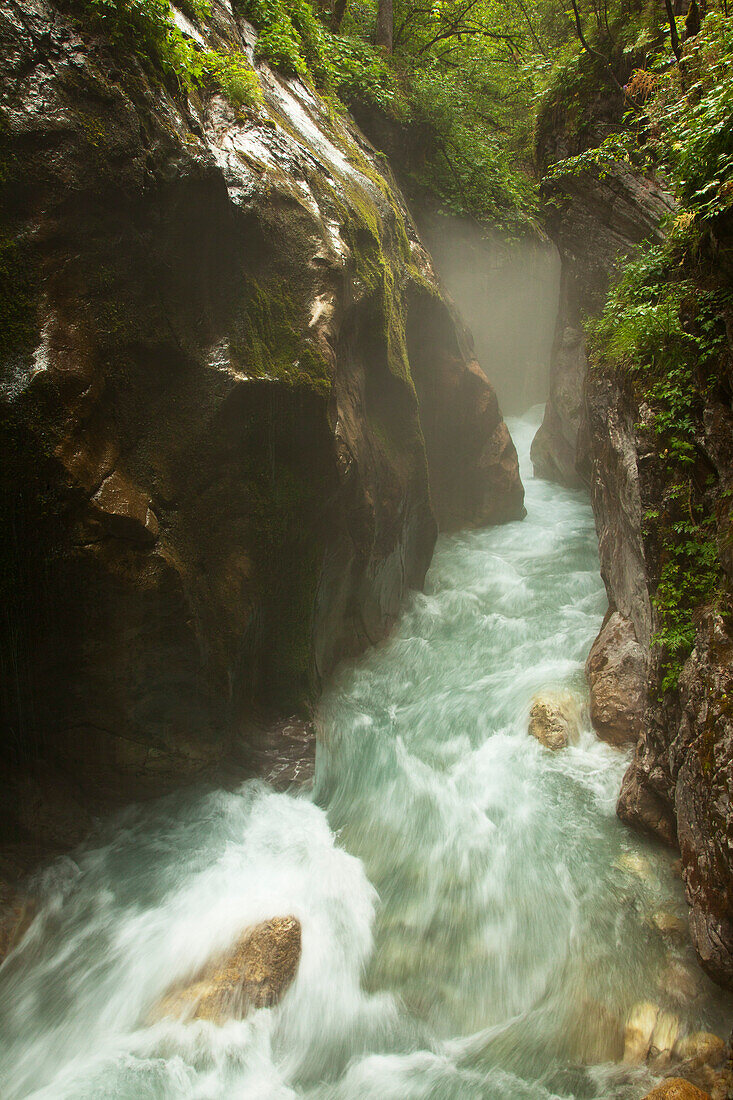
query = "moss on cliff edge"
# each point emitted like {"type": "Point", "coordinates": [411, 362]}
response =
{"type": "Point", "coordinates": [269, 338]}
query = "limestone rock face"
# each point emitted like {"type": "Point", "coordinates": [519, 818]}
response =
{"type": "Point", "coordinates": [234, 400]}
{"type": "Point", "coordinates": [256, 973]}
{"type": "Point", "coordinates": [599, 222]}
{"type": "Point", "coordinates": [616, 671]}
{"type": "Point", "coordinates": [677, 787]}
{"type": "Point", "coordinates": [553, 721]}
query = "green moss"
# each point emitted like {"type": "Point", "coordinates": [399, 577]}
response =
{"type": "Point", "coordinates": [268, 339]}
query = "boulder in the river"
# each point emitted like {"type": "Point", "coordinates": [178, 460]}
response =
{"type": "Point", "coordinates": [703, 1056]}
{"type": "Point", "coordinates": [553, 720]}
{"type": "Point", "coordinates": [594, 1033]}
{"type": "Point", "coordinates": [670, 925]}
{"type": "Point", "coordinates": [616, 671]}
{"type": "Point", "coordinates": [254, 974]}
{"type": "Point", "coordinates": [675, 1088]}
{"type": "Point", "coordinates": [702, 1047]}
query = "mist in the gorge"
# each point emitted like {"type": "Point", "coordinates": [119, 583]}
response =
{"type": "Point", "coordinates": [507, 291]}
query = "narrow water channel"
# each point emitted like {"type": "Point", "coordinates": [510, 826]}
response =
{"type": "Point", "coordinates": [476, 921]}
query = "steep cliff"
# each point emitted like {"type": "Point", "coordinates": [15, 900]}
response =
{"type": "Point", "coordinates": [664, 534]}
{"type": "Point", "coordinates": [658, 454]}
{"type": "Point", "coordinates": [596, 219]}
{"type": "Point", "coordinates": [648, 426]}
{"type": "Point", "coordinates": [234, 402]}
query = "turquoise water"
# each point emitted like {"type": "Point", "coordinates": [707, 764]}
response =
{"type": "Point", "coordinates": [476, 921]}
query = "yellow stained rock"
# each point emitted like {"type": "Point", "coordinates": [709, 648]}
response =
{"type": "Point", "coordinates": [664, 1037]}
{"type": "Point", "coordinates": [675, 1088]}
{"type": "Point", "coordinates": [639, 1030]}
{"type": "Point", "coordinates": [254, 974]}
{"type": "Point", "coordinates": [554, 720]}
{"type": "Point", "coordinates": [701, 1048]}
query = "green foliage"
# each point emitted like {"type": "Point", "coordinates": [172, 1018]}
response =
{"type": "Point", "coordinates": [681, 123]}
{"type": "Point", "coordinates": [690, 576]}
{"type": "Point", "coordinates": [146, 28]}
{"type": "Point", "coordinates": [664, 331]}
{"type": "Point", "coordinates": [291, 38]}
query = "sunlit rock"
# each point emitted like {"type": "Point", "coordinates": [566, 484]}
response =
{"type": "Point", "coordinates": [638, 1033]}
{"type": "Point", "coordinates": [635, 865]}
{"type": "Point", "coordinates": [554, 720]}
{"type": "Point", "coordinates": [664, 1037]}
{"type": "Point", "coordinates": [254, 974]}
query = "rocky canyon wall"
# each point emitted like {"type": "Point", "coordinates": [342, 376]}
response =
{"type": "Point", "coordinates": [236, 404]}
{"type": "Point", "coordinates": [604, 428]}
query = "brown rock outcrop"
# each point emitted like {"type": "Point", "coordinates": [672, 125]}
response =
{"type": "Point", "coordinates": [228, 435]}
{"type": "Point", "coordinates": [616, 671]}
{"type": "Point", "coordinates": [677, 785]}
{"type": "Point", "coordinates": [553, 721]}
{"type": "Point", "coordinates": [256, 973]}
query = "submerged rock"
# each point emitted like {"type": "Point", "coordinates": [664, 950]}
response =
{"type": "Point", "coordinates": [17, 911]}
{"type": "Point", "coordinates": [256, 973]}
{"type": "Point", "coordinates": [554, 720]}
{"type": "Point", "coordinates": [669, 925]}
{"type": "Point", "coordinates": [638, 1032]}
{"type": "Point", "coordinates": [616, 672]}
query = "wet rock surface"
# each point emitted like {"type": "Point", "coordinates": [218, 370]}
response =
{"type": "Point", "coordinates": [616, 673]}
{"type": "Point", "coordinates": [236, 401]}
{"type": "Point", "coordinates": [598, 223]}
{"type": "Point", "coordinates": [676, 1089]}
{"type": "Point", "coordinates": [676, 787]}
{"type": "Point", "coordinates": [553, 720]}
{"type": "Point", "coordinates": [256, 973]}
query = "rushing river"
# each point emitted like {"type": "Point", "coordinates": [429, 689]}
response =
{"type": "Point", "coordinates": [476, 921]}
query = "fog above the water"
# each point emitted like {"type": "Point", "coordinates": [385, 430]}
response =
{"type": "Point", "coordinates": [507, 292]}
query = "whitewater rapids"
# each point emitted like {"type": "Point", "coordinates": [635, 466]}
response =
{"type": "Point", "coordinates": [475, 919]}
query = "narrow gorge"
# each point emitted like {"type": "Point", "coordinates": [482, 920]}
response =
{"type": "Point", "coordinates": [359, 742]}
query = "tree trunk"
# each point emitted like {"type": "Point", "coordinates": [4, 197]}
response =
{"type": "Point", "coordinates": [385, 25]}
{"type": "Point", "coordinates": [339, 10]}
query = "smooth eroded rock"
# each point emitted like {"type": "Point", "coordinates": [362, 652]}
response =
{"type": "Point", "coordinates": [256, 973]}
{"type": "Point", "coordinates": [616, 671]}
{"type": "Point", "coordinates": [554, 720]}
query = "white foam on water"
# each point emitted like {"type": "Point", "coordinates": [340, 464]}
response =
{"type": "Point", "coordinates": [466, 896]}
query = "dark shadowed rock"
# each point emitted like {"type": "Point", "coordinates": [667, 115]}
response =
{"type": "Point", "coordinates": [597, 224]}
{"type": "Point", "coordinates": [234, 400]}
